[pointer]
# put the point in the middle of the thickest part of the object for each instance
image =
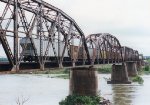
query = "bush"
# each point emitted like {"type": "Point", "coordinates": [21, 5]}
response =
{"type": "Point", "coordinates": [146, 68]}
{"type": "Point", "coordinates": [138, 79]}
{"type": "Point", "coordinates": [80, 100]}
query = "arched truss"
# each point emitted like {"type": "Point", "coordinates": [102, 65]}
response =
{"type": "Point", "coordinates": [106, 48]}
{"type": "Point", "coordinates": [129, 54]}
{"type": "Point", "coordinates": [136, 55]}
{"type": "Point", "coordinates": [36, 19]}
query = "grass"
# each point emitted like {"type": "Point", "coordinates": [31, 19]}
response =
{"type": "Point", "coordinates": [104, 68]}
{"type": "Point", "coordinates": [148, 60]}
{"type": "Point", "coordinates": [63, 76]}
{"type": "Point", "coordinates": [46, 71]}
{"type": "Point", "coordinates": [61, 73]}
{"type": "Point", "coordinates": [58, 71]}
{"type": "Point", "coordinates": [145, 70]}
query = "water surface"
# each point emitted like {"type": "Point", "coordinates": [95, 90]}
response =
{"type": "Point", "coordinates": [43, 90]}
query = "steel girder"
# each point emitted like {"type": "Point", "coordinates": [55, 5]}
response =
{"type": "Point", "coordinates": [106, 47]}
{"type": "Point", "coordinates": [129, 54]}
{"type": "Point", "coordinates": [38, 19]}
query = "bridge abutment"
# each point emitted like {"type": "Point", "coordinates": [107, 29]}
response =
{"type": "Point", "coordinates": [132, 68]}
{"type": "Point", "coordinates": [119, 74]}
{"type": "Point", "coordinates": [83, 81]}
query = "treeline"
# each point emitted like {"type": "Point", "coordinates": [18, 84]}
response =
{"type": "Point", "coordinates": [3, 59]}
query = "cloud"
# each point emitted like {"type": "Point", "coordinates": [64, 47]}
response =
{"type": "Point", "coordinates": [128, 20]}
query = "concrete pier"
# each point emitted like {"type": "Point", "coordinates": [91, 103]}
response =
{"type": "Point", "coordinates": [84, 81]}
{"type": "Point", "coordinates": [132, 69]}
{"type": "Point", "coordinates": [119, 74]}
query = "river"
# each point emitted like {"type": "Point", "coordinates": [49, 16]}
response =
{"type": "Point", "coordinates": [44, 90]}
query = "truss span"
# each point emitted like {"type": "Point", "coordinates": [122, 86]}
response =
{"type": "Point", "coordinates": [35, 21]}
{"type": "Point", "coordinates": [36, 32]}
{"type": "Point", "coordinates": [104, 47]}
{"type": "Point", "coordinates": [130, 54]}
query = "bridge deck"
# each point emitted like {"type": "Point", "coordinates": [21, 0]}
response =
{"type": "Point", "coordinates": [5, 66]}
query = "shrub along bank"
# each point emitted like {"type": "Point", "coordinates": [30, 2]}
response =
{"type": "Point", "coordinates": [138, 79]}
{"type": "Point", "coordinates": [84, 100]}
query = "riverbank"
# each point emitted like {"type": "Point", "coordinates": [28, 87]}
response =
{"type": "Point", "coordinates": [64, 72]}
{"type": "Point", "coordinates": [100, 68]}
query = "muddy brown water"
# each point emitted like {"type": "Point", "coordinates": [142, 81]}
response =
{"type": "Point", "coordinates": [44, 90]}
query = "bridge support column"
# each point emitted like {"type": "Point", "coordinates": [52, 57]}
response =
{"type": "Point", "coordinates": [132, 68]}
{"type": "Point", "coordinates": [42, 67]}
{"type": "Point", "coordinates": [139, 65]}
{"type": "Point", "coordinates": [60, 65]}
{"type": "Point", "coordinates": [119, 74]}
{"type": "Point", "coordinates": [73, 64]}
{"type": "Point", "coordinates": [83, 81]}
{"type": "Point", "coordinates": [15, 68]}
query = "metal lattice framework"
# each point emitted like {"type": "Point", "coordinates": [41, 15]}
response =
{"type": "Point", "coordinates": [106, 48]}
{"type": "Point", "coordinates": [129, 54]}
{"type": "Point", "coordinates": [36, 19]}
{"type": "Point", "coordinates": [48, 31]}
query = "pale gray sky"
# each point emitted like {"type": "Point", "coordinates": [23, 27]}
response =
{"type": "Point", "coordinates": [128, 20]}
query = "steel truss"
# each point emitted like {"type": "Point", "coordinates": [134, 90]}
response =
{"type": "Point", "coordinates": [37, 19]}
{"type": "Point", "coordinates": [129, 54]}
{"type": "Point", "coordinates": [106, 48]}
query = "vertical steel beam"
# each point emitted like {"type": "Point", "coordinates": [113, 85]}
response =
{"type": "Point", "coordinates": [59, 58]}
{"type": "Point", "coordinates": [66, 41]}
{"type": "Point", "coordinates": [98, 54]}
{"type": "Point", "coordinates": [41, 37]}
{"type": "Point", "coordinates": [111, 51]}
{"type": "Point", "coordinates": [100, 50]}
{"type": "Point", "coordinates": [15, 60]}
{"type": "Point", "coordinates": [3, 38]}
{"type": "Point", "coordinates": [50, 40]}
{"type": "Point", "coordinates": [85, 50]}
{"type": "Point", "coordinates": [24, 48]}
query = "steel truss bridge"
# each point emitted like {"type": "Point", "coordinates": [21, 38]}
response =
{"type": "Point", "coordinates": [36, 19]}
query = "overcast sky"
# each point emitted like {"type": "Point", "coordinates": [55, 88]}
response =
{"type": "Point", "coordinates": [128, 20]}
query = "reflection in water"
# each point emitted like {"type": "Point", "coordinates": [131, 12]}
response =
{"type": "Point", "coordinates": [123, 94]}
